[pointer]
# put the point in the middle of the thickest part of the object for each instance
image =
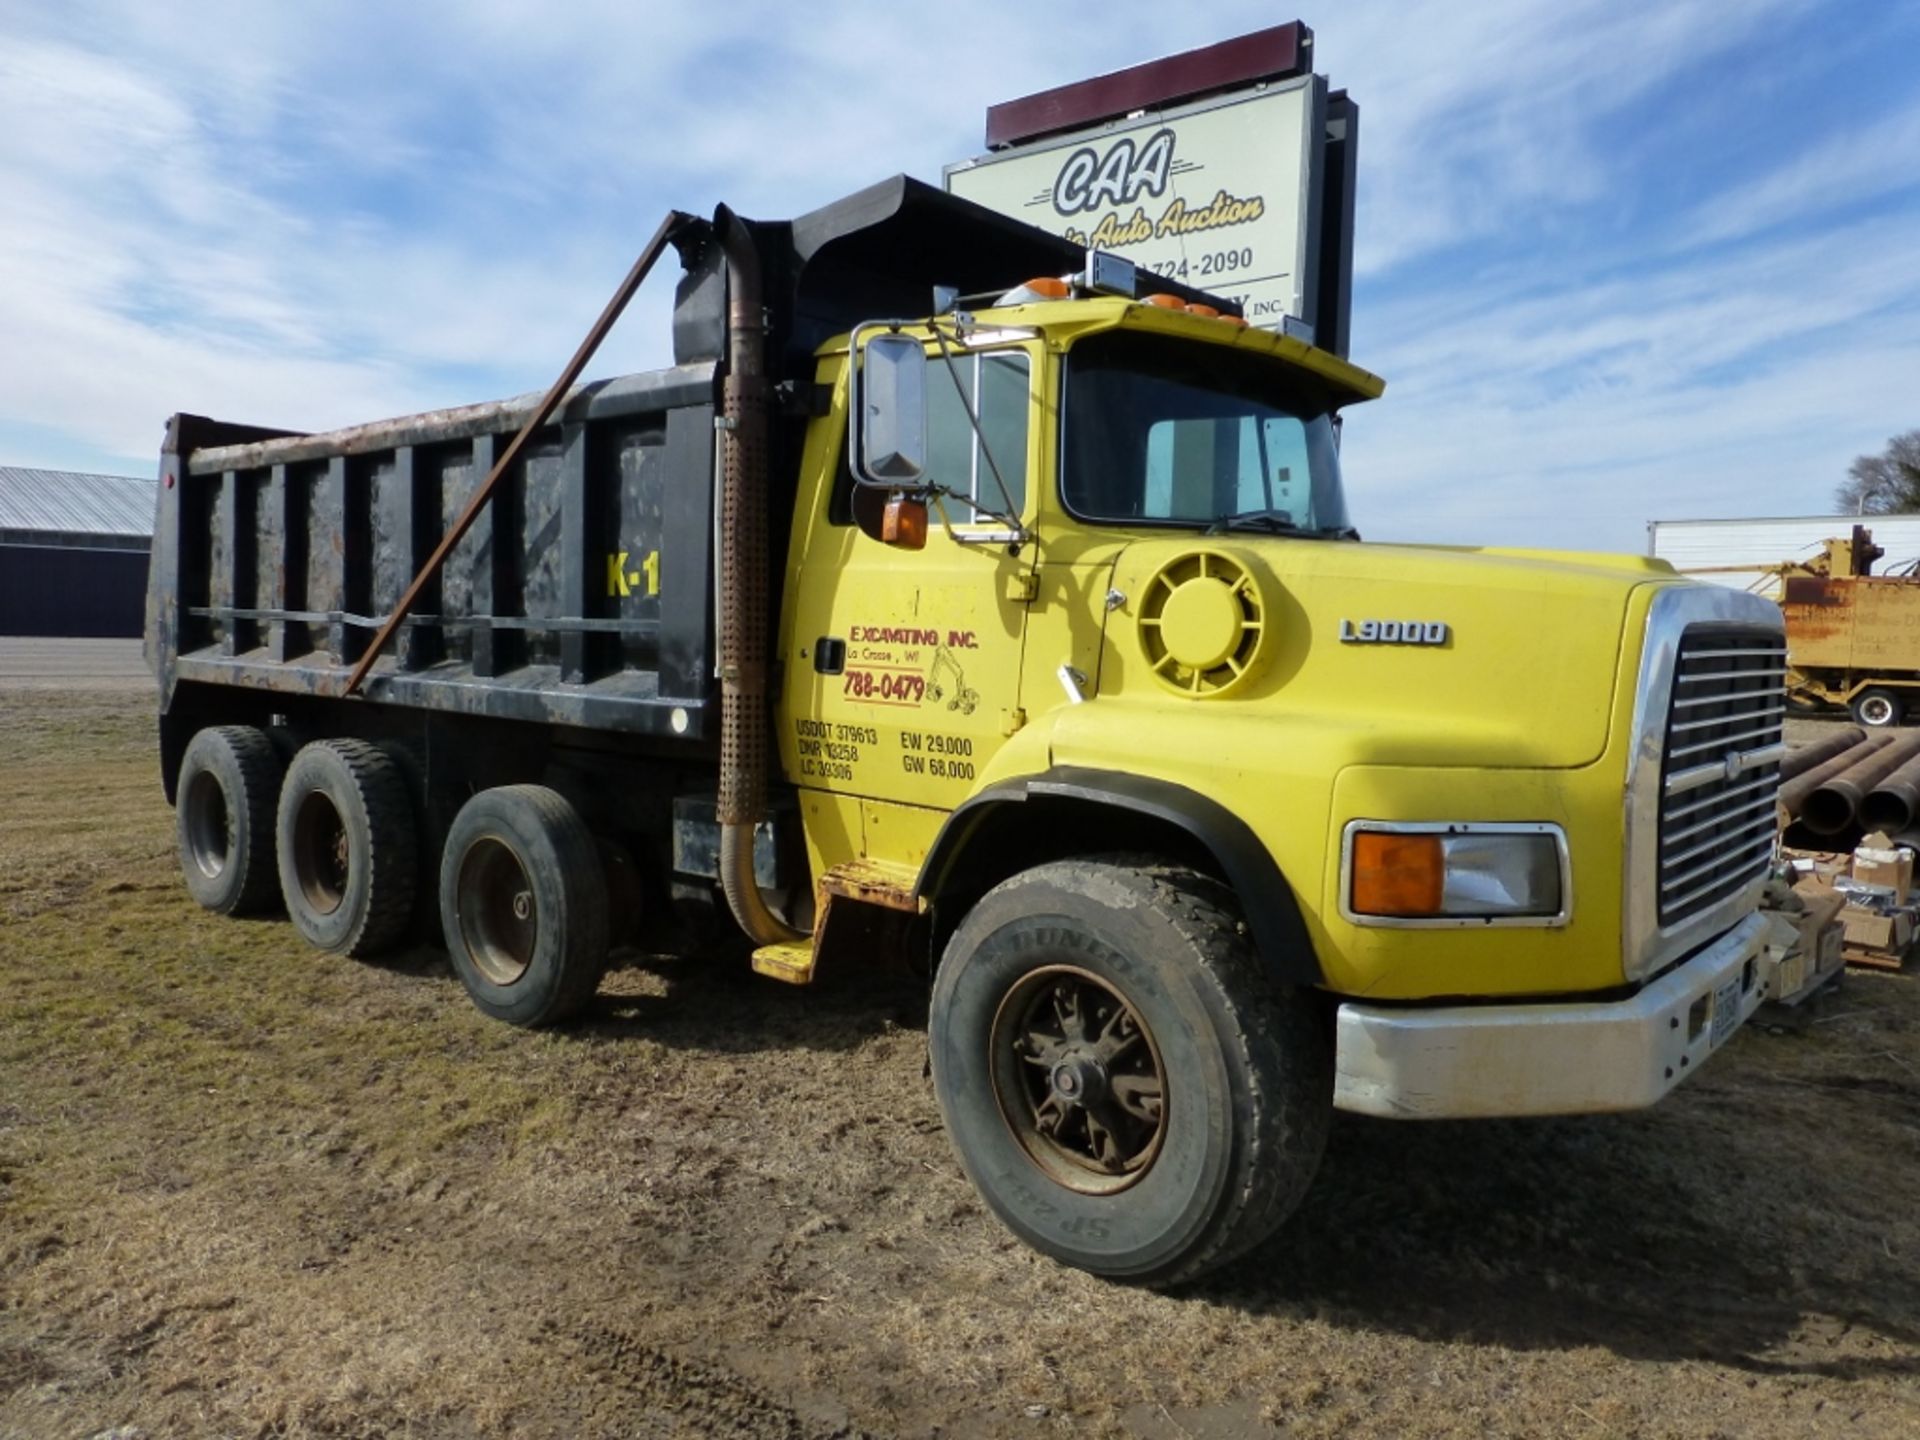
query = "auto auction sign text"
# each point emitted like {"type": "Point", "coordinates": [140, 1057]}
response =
{"type": "Point", "coordinates": [1214, 196]}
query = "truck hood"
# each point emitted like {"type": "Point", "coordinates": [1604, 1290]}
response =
{"type": "Point", "coordinates": [1423, 655]}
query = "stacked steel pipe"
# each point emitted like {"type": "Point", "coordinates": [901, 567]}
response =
{"type": "Point", "coordinates": [1852, 781]}
{"type": "Point", "coordinates": [1894, 803]}
{"type": "Point", "coordinates": [1807, 756]}
{"type": "Point", "coordinates": [1835, 805]}
{"type": "Point", "coordinates": [1795, 793]}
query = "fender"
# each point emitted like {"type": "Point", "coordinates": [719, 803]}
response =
{"type": "Point", "coordinates": [1279, 933]}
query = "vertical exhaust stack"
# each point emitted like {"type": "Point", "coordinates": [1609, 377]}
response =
{"type": "Point", "coordinates": [745, 742]}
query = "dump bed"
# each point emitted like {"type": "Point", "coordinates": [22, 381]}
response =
{"type": "Point", "coordinates": [583, 594]}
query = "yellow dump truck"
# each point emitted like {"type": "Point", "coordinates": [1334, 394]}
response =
{"type": "Point", "coordinates": [1853, 637]}
{"type": "Point", "coordinates": [1022, 634]}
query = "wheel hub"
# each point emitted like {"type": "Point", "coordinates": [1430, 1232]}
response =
{"type": "Point", "coordinates": [1078, 1079]}
{"type": "Point", "coordinates": [499, 920]}
{"type": "Point", "coordinates": [321, 853]}
{"type": "Point", "coordinates": [209, 825]}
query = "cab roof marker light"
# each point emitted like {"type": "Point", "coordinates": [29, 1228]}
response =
{"type": "Point", "coordinates": [1109, 274]}
{"type": "Point", "coordinates": [996, 335]}
{"type": "Point", "coordinates": [1041, 287]}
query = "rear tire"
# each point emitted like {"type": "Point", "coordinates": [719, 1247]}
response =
{"type": "Point", "coordinates": [523, 903]}
{"type": "Point", "coordinates": [1877, 709]}
{"type": "Point", "coordinates": [1125, 1083]}
{"type": "Point", "coordinates": [223, 819]}
{"type": "Point", "coordinates": [349, 863]}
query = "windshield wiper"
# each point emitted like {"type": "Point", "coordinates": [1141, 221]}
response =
{"type": "Point", "coordinates": [1275, 522]}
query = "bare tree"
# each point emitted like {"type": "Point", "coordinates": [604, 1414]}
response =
{"type": "Point", "coordinates": [1884, 484]}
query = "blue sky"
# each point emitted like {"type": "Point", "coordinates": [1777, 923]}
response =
{"type": "Point", "coordinates": [1617, 261]}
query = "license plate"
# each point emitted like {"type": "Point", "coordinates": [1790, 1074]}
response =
{"type": "Point", "coordinates": [1726, 1010]}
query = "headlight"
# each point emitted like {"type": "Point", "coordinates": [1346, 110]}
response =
{"type": "Point", "coordinates": [1459, 873]}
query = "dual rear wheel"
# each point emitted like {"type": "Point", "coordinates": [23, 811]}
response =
{"type": "Point", "coordinates": [335, 838]}
{"type": "Point", "coordinates": [523, 902]}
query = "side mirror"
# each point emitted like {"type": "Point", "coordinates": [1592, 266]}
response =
{"type": "Point", "coordinates": [890, 398]}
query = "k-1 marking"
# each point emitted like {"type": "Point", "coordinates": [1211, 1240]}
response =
{"type": "Point", "coordinates": [621, 582]}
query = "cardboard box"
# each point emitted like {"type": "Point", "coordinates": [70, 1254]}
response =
{"type": "Point", "coordinates": [1786, 978]}
{"type": "Point", "coordinates": [1878, 861]}
{"type": "Point", "coordinates": [1828, 954]}
{"type": "Point", "coordinates": [1868, 930]}
{"type": "Point", "coordinates": [1817, 864]}
{"type": "Point", "coordinates": [1822, 903]}
{"type": "Point", "coordinates": [1789, 977]}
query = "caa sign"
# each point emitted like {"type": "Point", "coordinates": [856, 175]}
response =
{"type": "Point", "coordinates": [1221, 194]}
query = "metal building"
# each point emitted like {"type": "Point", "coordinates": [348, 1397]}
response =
{"type": "Point", "coordinates": [1735, 552]}
{"type": "Point", "coordinates": [73, 552]}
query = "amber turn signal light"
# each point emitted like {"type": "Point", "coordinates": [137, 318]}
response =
{"type": "Point", "coordinates": [1397, 874]}
{"type": "Point", "coordinates": [904, 522]}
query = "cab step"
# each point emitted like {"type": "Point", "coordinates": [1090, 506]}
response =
{"type": "Point", "coordinates": [791, 961]}
{"type": "Point", "coordinates": [858, 883]}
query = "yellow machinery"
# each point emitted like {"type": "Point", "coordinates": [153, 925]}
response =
{"type": "Point", "coordinates": [1853, 637]}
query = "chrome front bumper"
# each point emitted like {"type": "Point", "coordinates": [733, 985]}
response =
{"type": "Point", "coordinates": [1548, 1059]}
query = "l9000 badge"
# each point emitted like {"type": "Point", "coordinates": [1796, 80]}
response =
{"type": "Point", "coordinates": [1394, 632]}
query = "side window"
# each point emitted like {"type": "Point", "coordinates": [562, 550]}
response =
{"type": "Point", "coordinates": [1003, 420]}
{"type": "Point", "coordinates": [997, 383]}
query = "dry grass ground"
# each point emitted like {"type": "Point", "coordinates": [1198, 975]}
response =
{"type": "Point", "coordinates": [246, 1191]}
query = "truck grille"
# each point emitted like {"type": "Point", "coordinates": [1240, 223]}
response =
{"type": "Point", "coordinates": [1717, 829]}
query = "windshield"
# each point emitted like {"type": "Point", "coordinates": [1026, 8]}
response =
{"type": "Point", "coordinates": [1171, 432]}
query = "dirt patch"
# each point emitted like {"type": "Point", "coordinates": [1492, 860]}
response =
{"type": "Point", "coordinates": [250, 1191]}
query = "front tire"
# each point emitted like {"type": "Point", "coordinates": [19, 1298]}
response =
{"type": "Point", "coordinates": [223, 819]}
{"type": "Point", "coordinates": [1877, 709]}
{"type": "Point", "coordinates": [1124, 1082]}
{"type": "Point", "coordinates": [349, 860]}
{"type": "Point", "coordinates": [523, 903]}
